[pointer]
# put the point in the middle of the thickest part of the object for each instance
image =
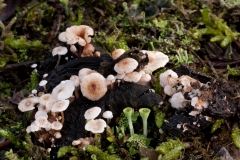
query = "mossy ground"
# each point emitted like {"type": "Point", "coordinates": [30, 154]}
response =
{"type": "Point", "coordinates": [180, 29]}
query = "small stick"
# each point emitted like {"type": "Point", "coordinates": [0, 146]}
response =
{"type": "Point", "coordinates": [211, 66]}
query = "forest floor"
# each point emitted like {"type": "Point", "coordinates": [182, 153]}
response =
{"type": "Point", "coordinates": [201, 40]}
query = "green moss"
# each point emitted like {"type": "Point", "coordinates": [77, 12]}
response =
{"type": "Point", "coordinates": [100, 154]}
{"type": "Point", "coordinates": [66, 149]}
{"type": "Point", "coordinates": [165, 147]}
{"type": "Point", "coordinates": [215, 27]}
{"type": "Point", "coordinates": [236, 136]}
{"type": "Point", "coordinates": [217, 125]}
{"type": "Point", "coordinates": [136, 141]}
{"type": "Point", "coordinates": [232, 71]}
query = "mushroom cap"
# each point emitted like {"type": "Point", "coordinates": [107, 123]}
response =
{"type": "Point", "coordinates": [133, 77]}
{"type": "Point", "coordinates": [88, 50]}
{"type": "Point", "coordinates": [120, 76]}
{"type": "Point", "coordinates": [110, 79]}
{"type": "Point", "coordinates": [144, 79]}
{"type": "Point", "coordinates": [117, 53]}
{"type": "Point", "coordinates": [75, 80]}
{"type": "Point", "coordinates": [60, 50]}
{"type": "Point", "coordinates": [156, 60]}
{"type": "Point", "coordinates": [45, 98]}
{"type": "Point", "coordinates": [92, 113]}
{"type": "Point", "coordinates": [95, 126]}
{"type": "Point", "coordinates": [42, 82]}
{"type": "Point", "coordinates": [56, 125]}
{"type": "Point", "coordinates": [34, 127]}
{"type": "Point", "coordinates": [27, 104]}
{"type": "Point", "coordinates": [93, 86]}
{"type": "Point", "coordinates": [84, 72]}
{"type": "Point", "coordinates": [177, 100]}
{"type": "Point", "coordinates": [34, 65]}
{"type": "Point", "coordinates": [126, 65]}
{"type": "Point", "coordinates": [60, 106]}
{"type": "Point", "coordinates": [169, 77]}
{"type": "Point", "coordinates": [57, 135]}
{"type": "Point", "coordinates": [76, 142]}
{"type": "Point", "coordinates": [169, 90]}
{"type": "Point", "coordinates": [73, 48]}
{"type": "Point", "coordinates": [108, 114]}
{"type": "Point", "coordinates": [64, 90]}
{"type": "Point", "coordinates": [41, 113]}
{"type": "Point", "coordinates": [80, 34]}
{"type": "Point", "coordinates": [41, 121]}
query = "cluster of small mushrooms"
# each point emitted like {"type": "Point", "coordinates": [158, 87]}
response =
{"type": "Point", "coordinates": [49, 107]}
{"type": "Point", "coordinates": [177, 87]}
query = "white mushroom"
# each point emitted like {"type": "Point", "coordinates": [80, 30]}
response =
{"type": "Point", "coordinates": [126, 65]}
{"type": "Point", "coordinates": [133, 77]}
{"type": "Point", "coordinates": [177, 100]}
{"type": "Point", "coordinates": [41, 113]}
{"type": "Point", "coordinates": [108, 115]}
{"type": "Point", "coordinates": [34, 127]}
{"type": "Point", "coordinates": [57, 135]}
{"type": "Point", "coordinates": [60, 50]}
{"type": "Point", "coordinates": [169, 90]}
{"type": "Point", "coordinates": [27, 104]}
{"type": "Point", "coordinates": [169, 77]}
{"type": "Point", "coordinates": [117, 53]}
{"type": "Point", "coordinates": [74, 34]}
{"type": "Point", "coordinates": [93, 86]}
{"type": "Point", "coordinates": [95, 126]}
{"type": "Point", "coordinates": [156, 60]}
{"type": "Point", "coordinates": [56, 125]}
{"type": "Point", "coordinates": [60, 106]}
{"type": "Point", "coordinates": [41, 121]}
{"type": "Point", "coordinates": [84, 72]}
{"type": "Point", "coordinates": [92, 113]}
{"type": "Point", "coordinates": [145, 79]}
{"type": "Point", "coordinates": [64, 90]}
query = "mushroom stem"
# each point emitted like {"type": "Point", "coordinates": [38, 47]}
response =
{"type": "Point", "coordinates": [62, 114]}
{"type": "Point", "coordinates": [76, 92]}
{"type": "Point", "coordinates": [128, 112]}
{"type": "Point", "coordinates": [144, 113]}
{"type": "Point", "coordinates": [58, 61]}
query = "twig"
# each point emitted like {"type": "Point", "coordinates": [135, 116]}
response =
{"type": "Point", "coordinates": [16, 65]}
{"type": "Point", "coordinates": [200, 59]}
{"type": "Point", "coordinates": [211, 66]}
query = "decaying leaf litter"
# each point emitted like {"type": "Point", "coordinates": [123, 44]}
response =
{"type": "Point", "coordinates": [206, 39]}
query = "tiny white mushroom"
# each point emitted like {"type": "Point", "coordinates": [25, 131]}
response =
{"type": "Point", "coordinates": [56, 125]}
{"type": "Point", "coordinates": [28, 104]}
{"type": "Point", "coordinates": [169, 77]}
{"type": "Point", "coordinates": [57, 135]}
{"type": "Point", "coordinates": [117, 53]}
{"type": "Point", "coordinates": [64, 90]}
{"type": "Point", "coordinates": [156, 60]}
{"type": "Point", "coordinates": [34, 127]}
{"type": "Point", "coordinates": [95, 126]}
{"type": "Point", "coordinates": [108, 115]}
{"type": "Point", "coordinates": [60, 106]}
{"type": "Point", "coordinates": [169, 90]}
{"type": "Point", "coordinates": [92, 113]}
{"type": "Point", "coordinates": [41, 113]}
{"type": "Point", "coordinates": [60, 50]}
{"type": "Point", "coordinates": [177, 100]}
{"type": "Point", "coordinates": [126, 65]}
{"type": "Point", "coordinates": [133, 77]}
{"type": "Point", "coordinates": [41, 121]}
{"type": "Point", "coordinates": [34, 65]}
{"type": "Point", "coordinates": [76, 142]}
